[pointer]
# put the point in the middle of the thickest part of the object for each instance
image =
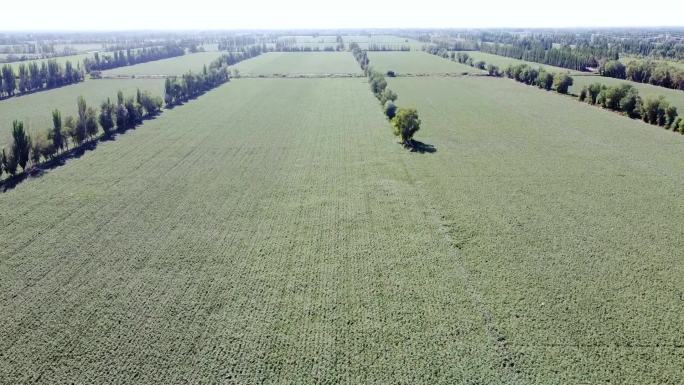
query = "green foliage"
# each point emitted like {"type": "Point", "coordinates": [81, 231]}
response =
{"type": "Point", "coordinates": [544, 80]}
{"type": "Point", "coordinates": [56, 132]}
{"type": "Point", "coordinates": [390, 109]}
{"type": "Point", "coordinates": [406, 123]}
{"type": "Point", "coordinates": [613, 69]}
{"type": "Point", "coordinates": [387, 95]}
{"type": "Point", "coordinates": [377, 82]}
{"type": "Point", "coordinates": [106, 118]}
{"type": "Point", "coordinates": [561, 82]}
{"type": "Point", "coordinates": [21, 144]}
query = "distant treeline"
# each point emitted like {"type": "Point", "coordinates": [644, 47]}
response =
{"type": "Point", "coordinates": [32, 77]}
{"type": "Point", "coordinates": [128, 57]}
{"type": "Point", "coordinates": [560, 57]}
{"type": "Point", "coordinates": [645, 71]}
{"type": "Point", "coordinates": [179, 90]}
{"type": "Point", "coordinates": [623, 98]}
{"type": "Point", "coordinates": [600, 44]}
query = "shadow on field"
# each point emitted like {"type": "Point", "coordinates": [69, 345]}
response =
{"type": "Point", "coordinates": [422, 148]}
{"type": "Point", "coordinates": [36, 171]}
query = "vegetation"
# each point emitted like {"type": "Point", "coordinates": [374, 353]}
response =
{"type": "Point", "coordinates": [406, 123]}
{"type": "Point", "coordinates": [130, 56]}
{"type": "Point", "coordinates": [32, 78]}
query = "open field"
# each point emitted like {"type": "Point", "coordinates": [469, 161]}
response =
{"type": "Point", "coordinates": [300, 63]}
{"type": "Point", "coordinates": [675, 97]}
{"type": "Point", "coordinates": [539, 244]}
{"type": "Point", "coordinates": [569, 222]}
{"type": "Point", "coordinates": [171, 66]}
{"type": "Point", "coordinates": [238, 247]}
{"type": "Point", "coordinates": [503, 62]}
{"type": "Point", "coordinates": [411, 63]}
{"type": "Point", "coordinates": [35, 109]}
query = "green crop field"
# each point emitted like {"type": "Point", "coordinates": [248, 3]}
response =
{"type": "Point", "coordinates": [502, 62]}
{"type": "Point", "coordinates": [171, 66]}
{"type": "Point", "coordinates": [675, 97]}
{"type": "Point", "coordinates": [35, 109]}
{"type": "Point", "coordinates": [569, 221]}
{"type": "Point", "coordinates": [412, 63]}
{"type": "Point", "coordinates": [300, 63]}
{"type": "Point", "coordinates": [273, 231]}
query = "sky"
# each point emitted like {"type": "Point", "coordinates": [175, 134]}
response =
{"type": "Point", "coordinates": [311, 14]}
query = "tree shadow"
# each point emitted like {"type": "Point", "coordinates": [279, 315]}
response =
{"type": "Point", "coordinates": [421, 148]}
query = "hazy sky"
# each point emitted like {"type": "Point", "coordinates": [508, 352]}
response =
{"type": "Point", "coordinates": [274, 14]}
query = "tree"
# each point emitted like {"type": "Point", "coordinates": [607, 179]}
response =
{"type": "Point", "coordinates": [21, 144]}
{"type": "Point", "coordinates": [583, 94]}
{"type": "Point", "coordinates": [9, 162]}
{"type": "Point", "coordinates": [81, 129]}
{"type": "Point", "coordinates": [544, 80]}
{"type": "Point", "coordinates": [91, 122]}
{"type": "Point", "coordinates": [562, 82]}
{"type": "Point", "coordinates": [106, 119]}
{"type": "Point", "coordinates": [9, 82]}
{"type": "Point", "coordinates": [390, 109]}
{"type": "Point", "coordinates": [134, 112]}
{"type": "Point", "coordinates": [406, 123]}
{"type": "Point", "coordinates": [493, 70]}
{"type": "Point", "coordinates": [56, 132]}
{"type": "Point", "coordinates": [388, 95]}
{"type": "Point", "coordinates": [670, 117]}
{"type": "Point", "coordinates": [121, 112]}
{"type": "Point", "coordinates": [41, 146]}
{"type": "Point", "coordinates": [70, 129]}
{"type": "Point", "coordinates": [613, 69]}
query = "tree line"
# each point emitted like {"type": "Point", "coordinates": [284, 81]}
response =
{"type": "Point", "coordinates": [178, 90]}
{"type": "Point", "coordinates": [625, 98]}
{"type": "Point", "coordinates": [565, 57]}
{"type": "Point", "coordinates": [523, 73]}
{"type": "Point", "coordinates": [645, 71]}
{"type": "Point", "coordinates": [32, 77]}
{"type": "Point", "coordinates": [88, 124]}
{"type": "Point", "coordinates": [404, 121]}
{"type": "Point", "coordinates": [131, 56]}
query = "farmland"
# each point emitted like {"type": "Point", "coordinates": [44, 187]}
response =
{"type": "Point", "coordinates": [503, 62]}
{"type": "Point", "coordinates": [171, 66]}
{"type": "Point", "coordinates": [562, 219]}
{"type": "Point", "coordinates": [414, 63]}
{"type": "Point", "coordinates": [300, 63]}
{"type": "Point", "coordinates": [191, 237]}
{"type": "Point", "coordinates": [35, 109]}
{"type": "Point", "coordinates": [273, 231]}
{"type": "Point", "coordinates": [675, 97]}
